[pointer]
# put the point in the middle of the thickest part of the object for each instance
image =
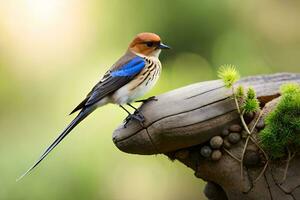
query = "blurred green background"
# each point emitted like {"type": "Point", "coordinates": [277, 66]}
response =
{"type": "Point", "coordinates": [53, 51]}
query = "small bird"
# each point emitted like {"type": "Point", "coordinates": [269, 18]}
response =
{"type": "Point", "coordinates": [135, 73]}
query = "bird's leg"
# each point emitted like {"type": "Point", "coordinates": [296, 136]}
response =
{"type": "Point", "coordinates": [136, 115]}
{"type": "Point", "coordinates": [132, 106]}
{"type": "Point", "coordinates": [153, 98]}
{"type": "Point", "coordinates": [125, 109]}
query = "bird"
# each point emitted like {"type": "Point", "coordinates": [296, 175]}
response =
{"type": "Point", "coordinates": [133, 75]}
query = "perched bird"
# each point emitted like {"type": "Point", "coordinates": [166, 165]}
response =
{"type": "Point", "coordinates": [135, 73]}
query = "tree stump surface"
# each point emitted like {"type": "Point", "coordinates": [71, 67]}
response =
{"type": "Point", "coordinates": [184, 120]}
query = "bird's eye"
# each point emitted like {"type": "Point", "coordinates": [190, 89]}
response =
{"type": "Point", "coordinates": [149, 44]}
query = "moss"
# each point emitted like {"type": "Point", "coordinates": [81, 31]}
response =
{"type": "Point", "coordinates": [239, 93]}
{"type": "Point", "coordinates": [283, 124]}
{"type": "Point", "coordinates": [290, 88]}
{"type": "Point", "coordinates": [251, 104]}
{"type": "Point", "coordinates": [251, 93]}
{"type": "Point", "coordinates": [228, 74]}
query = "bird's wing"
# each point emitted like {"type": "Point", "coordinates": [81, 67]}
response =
{"type": "Point", "coordinates": [115, 78]}
{"type": "Point", "coordinates": [122, 72]}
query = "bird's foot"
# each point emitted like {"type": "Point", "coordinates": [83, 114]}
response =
{"type": "Point", "coordinates": [153, 98]}
{"type": "Point", "coordinates": [135, 116]}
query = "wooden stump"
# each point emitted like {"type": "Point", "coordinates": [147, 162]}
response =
{"type": "Point", "coordinates": [184, 120]}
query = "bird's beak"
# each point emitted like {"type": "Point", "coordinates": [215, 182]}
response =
{"type": "Point", "coordinates": [163, 46]}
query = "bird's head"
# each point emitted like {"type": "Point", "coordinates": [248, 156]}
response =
{"type": "Point", "coordinates": [147, 44]}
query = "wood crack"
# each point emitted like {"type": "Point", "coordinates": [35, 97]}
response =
{"type": "Point", "coordinates": [150, 138]}
{"type": "Point", "coordinates": [278, 185]}
{"type": "Point", "coordinates": [172, 116]}
{"type": "Point", "coordinates": [230, 111]}
{"type": "Point", "coordinates": [269, 189]}
{"type": "Point", "coordinates": [204, 92]}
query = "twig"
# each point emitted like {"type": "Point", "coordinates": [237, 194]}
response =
{"type": "Point", "coordinates": [230, 154]}
{"type": "Point", "coordinates": [262, 172]}
{"type": "Point", "coordinates": [249, 136]}
{"type": "Point", "coordinates": [236, 101]}
{"type": "Point", "coordinates": [287, 165]}
{"type": "Point", "coordinates": [243, 154]}
{"type": "Point", "coordinates": [241, 114]}
{"type": "Point", "coordinates": [293, 155]}
{"type": "Point", "coordinates": [257, 120]}
{"type": "Point", "coordinates": [260, 148]}
{"type": "Point", "coordinates": [244, 123]}
{"type": "Point", "coordinates": [247, 141]}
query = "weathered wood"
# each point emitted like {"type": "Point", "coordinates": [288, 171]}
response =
{"type": "Point", "coordinates": [191, 115]}
{"type": "Point", "coordinates": [226, 172]}
{"type": "Point", "coordinates": [182, 122]}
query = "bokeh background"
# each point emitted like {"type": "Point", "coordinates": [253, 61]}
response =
{"type": "Point", "coordinates": [53, 51]}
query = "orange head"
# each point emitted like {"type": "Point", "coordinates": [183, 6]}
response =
{"type": "Point", "coordinates": [147, 44]}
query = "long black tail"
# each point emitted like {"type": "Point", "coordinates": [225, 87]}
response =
{"type": "Point", "coordinates": [82, 115]}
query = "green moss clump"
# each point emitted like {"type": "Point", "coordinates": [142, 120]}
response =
{"type": "Point", "coordinates": [239, 93]}
{"type": "Point", "coordinates": [283, 124]}
{"type": "Point", "coordinates": [251, 104]}
{"type": "Point", "coordinates": [251, 93]}
{"type": "Point", "coordinates": [228, 74]}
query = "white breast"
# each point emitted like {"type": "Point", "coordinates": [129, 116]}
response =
{"type": "Point", "coordinates": [143, 82]}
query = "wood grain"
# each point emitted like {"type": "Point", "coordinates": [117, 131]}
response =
{"type": "Point", "coordinates": [191, 115]}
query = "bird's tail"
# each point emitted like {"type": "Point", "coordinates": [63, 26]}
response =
{"type": "Point", "coordinates": [82, 115]}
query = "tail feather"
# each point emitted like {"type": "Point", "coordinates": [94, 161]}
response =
{"type": "Point", "coordinates": [80, 106]}
{"type": "Point", "coordinates": [82, 115]}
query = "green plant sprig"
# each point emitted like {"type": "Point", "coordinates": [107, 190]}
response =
{"type": "Point", "coordinates": [282, 129]}
{"type": "Point", "coordinates": [248, 103]}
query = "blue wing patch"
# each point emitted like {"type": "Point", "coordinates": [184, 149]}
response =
{"type": "Point", "coordinates": [131, 68]}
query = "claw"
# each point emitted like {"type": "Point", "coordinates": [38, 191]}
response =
{"type": "Point", "coordinates": [135, 116]}
{"type": "Point", "coordinates": [153, 98]}
{"type": "Point", "coordinates": [139, 116]}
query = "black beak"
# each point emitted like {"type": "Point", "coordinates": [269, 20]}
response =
{"type": "Point", "coordinates": [163, 46]}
